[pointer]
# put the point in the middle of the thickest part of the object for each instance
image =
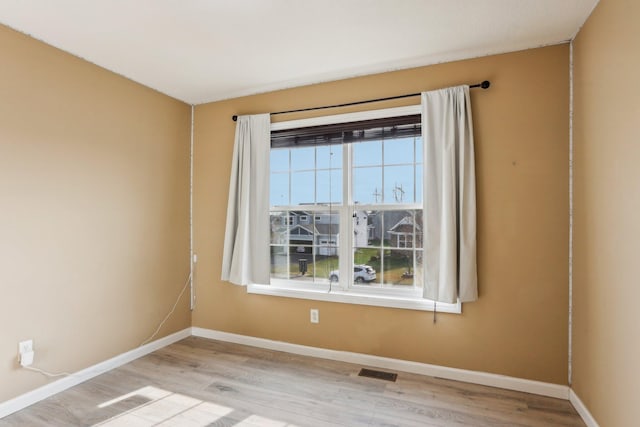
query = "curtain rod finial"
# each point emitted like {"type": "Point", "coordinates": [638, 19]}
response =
{"type": "Point", "coordinates": [234, 118]}
{"type": "Point", "coordinates": [485, 84]}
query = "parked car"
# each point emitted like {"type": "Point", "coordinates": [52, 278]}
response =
{"type": "Point", "coordinates": [361, 273]}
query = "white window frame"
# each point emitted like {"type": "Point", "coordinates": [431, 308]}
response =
{"type": "Point", "coordinates": [342, 292]}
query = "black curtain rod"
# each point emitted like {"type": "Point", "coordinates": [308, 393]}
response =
{"type": "Point", "coordinates": [484, 85]}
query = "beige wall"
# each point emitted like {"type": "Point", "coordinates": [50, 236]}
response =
{"type": "Point", "coordinates": [94, 211]}
{"type": "Point", "coordinates": [519, 325]}
{"type": "Point", "coordinates": [606, 351]}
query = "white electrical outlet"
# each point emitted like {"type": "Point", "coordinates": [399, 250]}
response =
{"type": "Point", "coordinates": [314, 315]}
{"type": "Point", "coordinates": [25, 346]}
{"type": "Point", "coordinates": [25, 349]}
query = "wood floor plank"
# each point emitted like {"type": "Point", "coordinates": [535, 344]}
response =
{"type": "Point", "coordinates": [201, 382]}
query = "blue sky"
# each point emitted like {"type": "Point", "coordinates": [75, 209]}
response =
{"type": "Point", "coordinates": [384, 172]}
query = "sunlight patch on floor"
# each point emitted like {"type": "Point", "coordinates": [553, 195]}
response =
{"type": "Point", "coordinates": [173, 409]}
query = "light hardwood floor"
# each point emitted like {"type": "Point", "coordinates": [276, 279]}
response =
{"type": "Point", "coordinates": [200, 382]}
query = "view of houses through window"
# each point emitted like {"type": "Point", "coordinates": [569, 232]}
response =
{"type": "Point", "coordinates": [357, 202]}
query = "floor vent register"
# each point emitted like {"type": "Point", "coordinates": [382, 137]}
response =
{"type": "Point", "coordinates": [380, 375]}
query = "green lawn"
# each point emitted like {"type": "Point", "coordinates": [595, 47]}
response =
{"type": "Point", "coordinates": [396, 263]}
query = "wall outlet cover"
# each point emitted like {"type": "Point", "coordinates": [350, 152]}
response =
{"type": "Point", "coordinates": [25, 346]}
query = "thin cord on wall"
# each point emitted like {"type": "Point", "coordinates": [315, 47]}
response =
{"type": "Point", "coordinates": [173, 308]}
{"type": "Point", "coordinates": [175, 304]}
{"type": "Point", "coordinates": [46, 373]}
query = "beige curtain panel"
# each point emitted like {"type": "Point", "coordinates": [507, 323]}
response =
{"type": "Point", "coordinates": [450, 196]}
{"type": "Point", "coordinates": [245, 259]}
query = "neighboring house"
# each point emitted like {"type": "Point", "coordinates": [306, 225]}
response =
{"type": "Point", "coordinates": [303, 231]}
{"type": "Point", "coordinates": [362, 230]}
{"type": "Point", "coordinates": [300, 235]}
{"type": "Point", "coordinates": [406, 233]}
{"type": "Point", "coordinates": [396, 228]}
{"type": "Point", "coordinates": [327, 238]}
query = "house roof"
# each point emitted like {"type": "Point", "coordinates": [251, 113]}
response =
{"type": "Point", "coordinates": [289, 230]}
{"type": "Point", "coordinates": [405, 224]}
{"type": "Point", "coordinates": [328, 229]}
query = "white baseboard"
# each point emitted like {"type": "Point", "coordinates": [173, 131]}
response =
{"type": "Point", "coordinates": [582, 409]}
{"type": "Point", "coordinates": [475, 377]}
{"type": "Point", "coordinates": [40, 393]}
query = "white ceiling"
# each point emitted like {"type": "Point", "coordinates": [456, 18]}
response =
{"type": "Point", "coordinates": [206, 50]}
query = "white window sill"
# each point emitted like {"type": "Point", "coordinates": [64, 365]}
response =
{"type": "Point", "coordinates": [354, 297]}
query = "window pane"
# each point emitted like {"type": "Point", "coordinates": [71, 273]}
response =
{"type": "Point", "coordinates": [326, 267]}
{"type": "Point", "coordinates": [398, 267]}
{"type": "Point", "coordinates": [329, 187]}
{"type": "Point", "coordinates": [418, 272]}
{"type": "Point", "coordinates": [327, 226]}
{"type": "Point", "coordinates": [312, 268]}
{"type": "Point", "coordinates": [279, 189]}
{"type": "Point", "coordinates": [367, 185]}
{"type": "Point", "coordinates": [392, 247]}
{"type": "Point", "coordinates": [303, 158]}
{"type": "Point", "coordinates": [374, 228]}
{"type": "Point", "coordinates": [363, 229]}
{"type": "Point", "coordinates": [367, 153]}
{"type": "Point", "coordinates": [302, 188]}
{"type": "Point", "coordinates": [399, 184]}
{"type": "Point", "coordinates": [280, 262]}
{"type": "Point", "coordinates": [304, 245]}
{"type": "Point", "coordinates": [399, 151]}
{"type": "Point", "coordinates": [279, 228]}
{"type": "Point", "coordinates": [419, 180]}
{"type": "Point", "coordinates": [329, 157]}
{"type": "Point", "coordinates": [419, 149]}
{"type": "Point", "coordinates": [403, 228]}
{"type": "Point", "coordinates": [366, 265]}
{"type": "Point", "coordinates": [279, 160]}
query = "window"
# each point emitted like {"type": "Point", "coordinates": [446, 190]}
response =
{"type": "Point", "coordinates": [355, 188]}
{"type": "Point", "coordinates": [289, 220]}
